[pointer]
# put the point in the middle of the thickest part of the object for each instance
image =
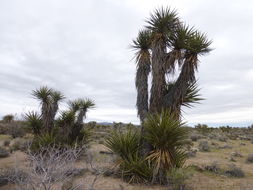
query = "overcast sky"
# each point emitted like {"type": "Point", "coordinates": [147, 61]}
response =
{"type": "Point", "coordinates": [81, 47]}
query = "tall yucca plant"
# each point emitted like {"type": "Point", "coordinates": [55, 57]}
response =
{"type": "Point", "coordinates": [161, 24]}
{"type": "Point", "coordinates": [81, 107]}
{"type": "Point", "coordinates": [167, 137]}
{"type": "Point", "coordinates": [142, 46]}
{"type": "Point", "coordinates": [43, 94]}
{"type": "Point", "coordinates": [49, 105]}
{"type": "Point", "coordinates": [171, 43]}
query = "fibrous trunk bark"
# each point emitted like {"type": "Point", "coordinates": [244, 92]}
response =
{"type": "Point", "coordinates": [178, 91]}
{"type": "Point", "coordinates": [158, 76]}
{"type": "Point", "coordinates": [141, 83]}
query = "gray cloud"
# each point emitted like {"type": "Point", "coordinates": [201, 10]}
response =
{"type": "Point", "coordinates": [82, 49]}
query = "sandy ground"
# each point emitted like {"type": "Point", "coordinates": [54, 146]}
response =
{"type": "Point", "coordinates": [198, 181]}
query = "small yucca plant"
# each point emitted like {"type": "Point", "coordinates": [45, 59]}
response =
{"type": "Point", "coordinates": [167, 137]}
{"type": "Point", "coordinates": [125, 145]}
{"type": "Point", "coordinates": [34, 122]}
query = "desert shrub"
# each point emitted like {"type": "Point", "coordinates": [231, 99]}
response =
{"type": "Point", "coordinates": [48, 168]}
{"type": "Point", "coordinates": [188, 144]}
{"type": "Point", "coordinates": [8, 118]}
{"type": "Point", "coordinates": [14, 129]}
{"type": "Point", "coordinates": [20, 144]}
{"type": "Point", "coordinates": [194, 137]}
{"type": "Point", "coordinates": [226, 146]}
{"type": "Point", "coordinates": [204, 146]}
{"type": "Point", "coordinates": [234, 171]}
{"type": "Point", "coordinates": [177, 176]}
{"type": "Point", "coordinates": [3, 153]}
{"type": "Point", "coordinates": [222, 139]}
{"type": "Point", "coordinates": [213, 167]}
{"type": "Point", "coordinates": [203, 129]}
{"type": "Point", "coordinates": [250, 158]}
{"type": "Point", "coordinates": [9, 175]}
{"type": "Point", "coordinates": [6, 142]}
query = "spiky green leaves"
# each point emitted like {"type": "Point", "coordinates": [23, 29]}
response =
{"type": "Point", "coordinates": [66, 118]}
{"type": "Point", "coordinates": [34, 121]}
{"type": "Point", "coordinates": [163, 22]}
{"type": "Point", "coordinates": [167, 137]}
{"type": "Point", "coordinates": [81, 104]}
{"type": "Point", "coordinates": [143, 40]}
{"type": "Point", "coordinates": [47, 95]}
{"type": "Point", "coordinates": [57, 96]}
{"type": "Point", "coordinates": [125, 145]}
{"type": "Point", "coordinates": [191, 96]}
{"type": "Point", "coordinates": [179, 39]}
{"type": "Point", "coordinates": [198, 44]}
{"type": "Point", "coordinates": [43, 93]}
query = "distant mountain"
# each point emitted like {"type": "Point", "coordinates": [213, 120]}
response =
{"type": "Point", "coordinates": [105, 123]}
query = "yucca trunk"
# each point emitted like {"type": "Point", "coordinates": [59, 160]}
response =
{"type": "Point", "coordinates": [46, 115]}
{"type": "Point", "coordinates": [80, 117]}
{"type": "Point", "coordinates": [51, 115]}
{"type": "Point", "coordinates": [141, 83]}
{"type": "Point", "coordinates": [185, 79]}
{"type": "Point", "coordinates": [158, 76]}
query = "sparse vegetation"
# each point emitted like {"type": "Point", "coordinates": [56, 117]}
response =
{"type": "Point", "coordinates": [250, 158]}
{"type": "Point", "coordinates": [204, 146]}
{"type": "Point", "coordinates": [8, 118]}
